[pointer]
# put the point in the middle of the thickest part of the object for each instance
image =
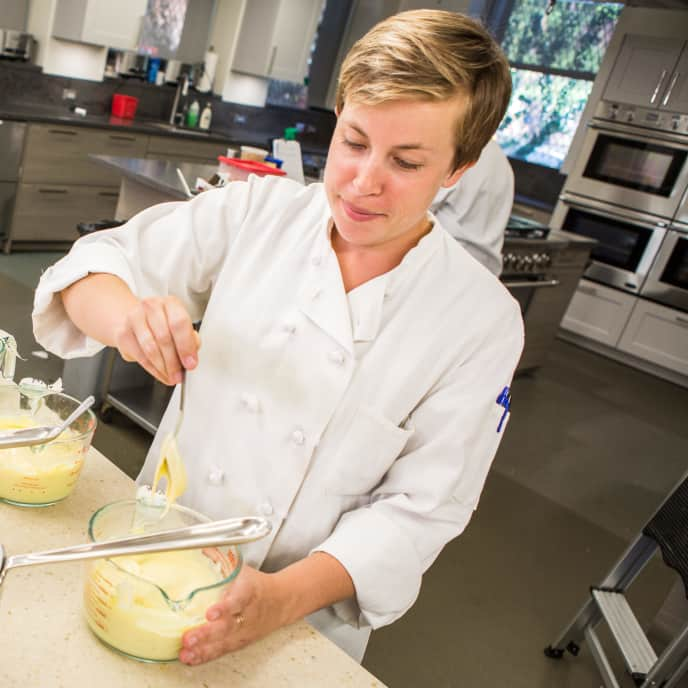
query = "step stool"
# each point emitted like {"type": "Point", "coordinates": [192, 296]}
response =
{"type": "Point", "coordinates": [667, 531]}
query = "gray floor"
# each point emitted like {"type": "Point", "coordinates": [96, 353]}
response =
{"type": "Point", "coordinates": [591, 450]}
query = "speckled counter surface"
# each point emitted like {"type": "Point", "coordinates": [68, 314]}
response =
{"type": "Point", "coordinates": [44, 641]}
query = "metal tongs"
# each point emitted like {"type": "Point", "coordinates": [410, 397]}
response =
{"type": "Point", "coordinates": [41, 434]}
{"type": "Point", "coordinates": [231, 531]}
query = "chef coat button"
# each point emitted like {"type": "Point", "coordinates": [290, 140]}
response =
{"type": "Point", "coordinates": [337, 357]}
{"type": "Point", "coordinates": [316, 293]}
{"type": "Point", "coordinates": [216, 476]}
{"type": "Point", "coordinates": [289, 327]}
{"type": "Point", "coordinates": [316, 260]}
{"type": "Point", "coordinates": [266, 509]}
{"type": "Point", "coordinates": [250, 403]}
{"type": "Point", "coordinates": [297, 437]}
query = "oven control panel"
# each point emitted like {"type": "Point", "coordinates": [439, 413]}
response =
{"type": "Point", "coordinates": [525, 261]}
{"type": "Point", "coordinates": [651, 118]}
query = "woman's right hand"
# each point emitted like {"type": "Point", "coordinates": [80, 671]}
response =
{"type": "Point", "coordinates": [158, 334]}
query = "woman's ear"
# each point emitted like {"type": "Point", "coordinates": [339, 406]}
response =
{"type": "Point", "coordinates": [457, 174]}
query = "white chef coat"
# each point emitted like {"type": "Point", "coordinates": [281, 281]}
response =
{"type": "Point", "coordinates": [360, 424]}
{"type": "Point", "coordinates": [476, 209]}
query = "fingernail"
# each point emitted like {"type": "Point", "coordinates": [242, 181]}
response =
{"type": "Point", "coordinates": [213, 616]}
{"type": "Point", "coordinates": [190, 657]}
{"type": "Point", "coordinates": [192, 640]}
{"type": "Point", "coordinates": [189, 361]}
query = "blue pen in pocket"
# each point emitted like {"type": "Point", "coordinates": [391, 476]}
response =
{"type": "Point", "coordinates": [504, 400]}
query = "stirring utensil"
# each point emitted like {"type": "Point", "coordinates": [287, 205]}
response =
{"type": "Point", "coordinates": [170, 465]}
{"type": "Point", "coordinates": [185, 185]}
{"type": "Point", "coordinates": [40, 434]}
{"type": "Point", "coordinates": [230, 531]}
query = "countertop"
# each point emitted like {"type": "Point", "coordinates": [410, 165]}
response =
{"type": "Point", "coordinates": [160, 175]}
{"type": "Point", "coordinates": [55, 115]}
{"type": "Point", "coordinates": [45, 641]}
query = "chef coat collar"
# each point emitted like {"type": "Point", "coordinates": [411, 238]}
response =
{"type": "Point", "coordinates": [324, 300]}
{"type": "Point", "coordinates": [323, 297]}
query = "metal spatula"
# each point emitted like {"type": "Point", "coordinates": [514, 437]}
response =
{"type": "Point", "coordinates": [231, 531]}
{"type": "Point", "coordinates": [41, 434]}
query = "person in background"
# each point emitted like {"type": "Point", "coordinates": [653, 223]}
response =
{"type": "Point", "coordinates": [475, 211]}
{"type": "Point", "coordinates": [352, 385]}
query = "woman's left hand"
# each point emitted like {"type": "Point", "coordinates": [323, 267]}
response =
{"type": "Point", "coordinates": [250, 610]}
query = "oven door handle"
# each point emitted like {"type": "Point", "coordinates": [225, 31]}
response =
{"type": "Point", "coordinates": [524, 284]}
{"type": "Point", "coordinates": [597, 208]}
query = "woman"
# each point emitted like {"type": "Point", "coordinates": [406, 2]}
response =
{"type": "Point", "coordinates": [349, 386]}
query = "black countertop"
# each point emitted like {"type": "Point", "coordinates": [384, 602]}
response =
{"type": "Point", "coordinates": [55, 115]}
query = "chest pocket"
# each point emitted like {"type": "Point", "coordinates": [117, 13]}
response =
{"type": "Point", "coordinates": [369, 448]}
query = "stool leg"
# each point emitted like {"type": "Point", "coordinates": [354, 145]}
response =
{"type": "Point", "coordinates": [619, 578]}
{"type": "Point", "coordinates": [671, 664]}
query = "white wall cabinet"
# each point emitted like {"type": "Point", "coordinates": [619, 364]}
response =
{"type": "Point", "coordinates": [650, 71]}
{"type": "Point", "coordinates": [598, 312]}
{"type": "Point", "coordinates": [657, 334]}
{"type": "Point", "coordinates": [100, 22]}
{"type": "Point", "coordinates": [276, 37]}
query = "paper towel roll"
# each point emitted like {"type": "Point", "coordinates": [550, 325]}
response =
{"type": "Point", "coordinates": [209, 66]}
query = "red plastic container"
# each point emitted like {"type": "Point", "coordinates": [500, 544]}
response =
{"type": "Point", "coordinates": [240, 169]}
{"type": "Point", "coordinates": [124, 106]}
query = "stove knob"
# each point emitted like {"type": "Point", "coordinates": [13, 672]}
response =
{"type": "Point", "coordinates": [519, 262]}
{"type": "Point", "coordinates": [527, 263]}
{"type": "Point", "coordinates": [546, 260]}
{"type": "Point", "coordinates": [537, 260]}
{"type": "Point", "coordinates": [508, 260]}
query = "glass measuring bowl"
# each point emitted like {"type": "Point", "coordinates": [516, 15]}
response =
{"type": "Point", "coordinates": [42, 474]}
{"type": "Point", "coordinates": [141, 605]}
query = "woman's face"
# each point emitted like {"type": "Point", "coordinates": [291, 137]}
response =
{"type": "Point", "coordinates": [384, 167]}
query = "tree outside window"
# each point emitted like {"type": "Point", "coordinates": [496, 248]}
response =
{"type": "Point", "coordinates": [554, 58]}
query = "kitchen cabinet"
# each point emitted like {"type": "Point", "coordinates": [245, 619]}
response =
{"type": "Point", "coordinates": [598, 313]}
{"type": "Point", "coordinates": [650, 71]}
{"type": "Point", "coordinates": [50, 212]}
{"type": "Point", "coordinates": [100, 22]}
{"type": "Point", "coordinates": [276, 37]}
{"type": "Point", "coordinates": [60, 185]}
{"type": "Point", "coordinates": [59, 154]}
{"type": "Point", "coordinates": [657, 334]}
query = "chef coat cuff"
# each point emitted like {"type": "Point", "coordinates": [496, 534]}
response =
{"type": "Point", "coordinates": [52, 327]}
{"type": "Point", "coordinates": [383, 564]}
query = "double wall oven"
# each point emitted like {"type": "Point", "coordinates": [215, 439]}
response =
{"type": "Point", "coordinates": [667, 281]}
{"type": "Point", "coordinates": [625, 189]}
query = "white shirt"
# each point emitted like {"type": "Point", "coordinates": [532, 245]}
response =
{"type": "Point", "coordinates": [362, 425]}
{"type": "Point", "coordinates": [476, 209]}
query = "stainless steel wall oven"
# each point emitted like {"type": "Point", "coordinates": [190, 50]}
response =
{"type": "Point", "coordinates": [628, 240]}
{"type": "Point", "coordinates": [667, 281]}
{"type": "Point", "coordinates": [635, 158]}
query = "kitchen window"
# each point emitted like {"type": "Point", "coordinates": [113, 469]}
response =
{"type": "Point", "coordinates": [555, 50]}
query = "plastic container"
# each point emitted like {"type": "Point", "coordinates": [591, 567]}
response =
{"type": "Point", "coordinates": [192, 115]}
{"type": "Point", "coordinates": [239, 170]}
{"type": "Point", "coordinates": [141, 605]}
{"type": "Point", "coordinates": [47, 473]}
{"type": "Point", "coordinates": [253, 153]}
{"type": "Point", "coordinates": [206, 117]}
{"type": "Point", "coordinates": [124, 106]}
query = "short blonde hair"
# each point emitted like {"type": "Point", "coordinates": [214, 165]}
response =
{"type": "Point", "coordinates": [432, 55]}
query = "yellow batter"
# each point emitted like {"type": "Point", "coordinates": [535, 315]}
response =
{"type": "Point", "coordinates": [43, 474]}
{"type": "Point", "coordinates": [125, 606]}
{"type": "Point", "coordinates": [132, 615]}
{"type": "Point", "coordinates": [171, 467]}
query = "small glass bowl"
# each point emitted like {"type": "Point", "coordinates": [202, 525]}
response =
{"type": "Point", "coordinates": [42, 474]}
{"type": "Point", "coordinates": [141, 605]}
